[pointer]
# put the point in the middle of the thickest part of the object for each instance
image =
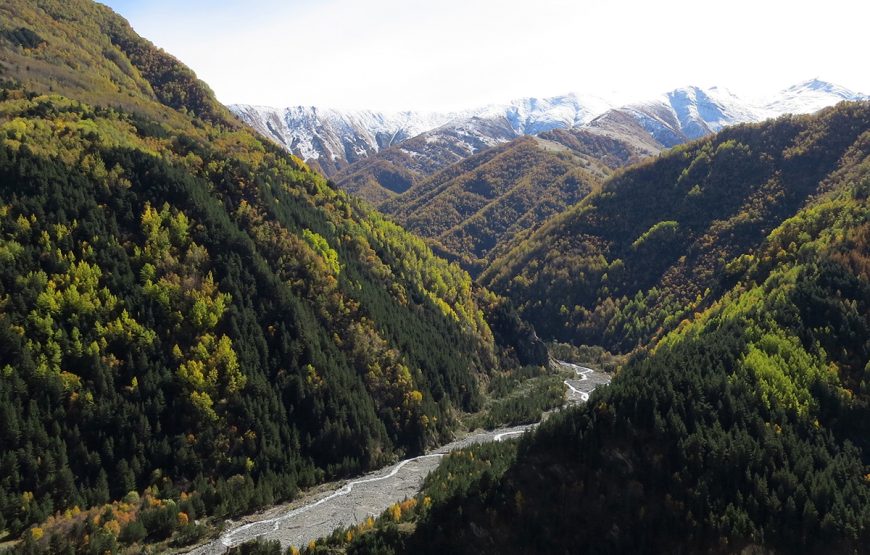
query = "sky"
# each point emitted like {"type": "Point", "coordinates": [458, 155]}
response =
{"type": "Point", "coordinates": [452, 54]}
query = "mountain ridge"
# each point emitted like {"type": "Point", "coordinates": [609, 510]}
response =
{"type": "Point", "coordinates": [316, 131]}
{"type": "Point", "coordinates": [472, 211]}
{"type": "Point", "coordinates": [192, 321]}
{"type": "Point", "coordinates": [659, 236]}
{"type": "Point", "coordinates": [741, 424]}
{"type": "Point", "coordinates": [334, 140]}
{"type": "Point", "coordinates": [468, 211]}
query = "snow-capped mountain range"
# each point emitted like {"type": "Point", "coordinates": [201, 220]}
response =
{"type": "Point", "coordinates": [333, 135]}
{"type": "Point", "coordinates": [334, 139]}
{"type": "Point", "coordinates": [692, 112]}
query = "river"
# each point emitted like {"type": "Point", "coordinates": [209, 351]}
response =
{"type": "Point", "coordinates": [317, 513]}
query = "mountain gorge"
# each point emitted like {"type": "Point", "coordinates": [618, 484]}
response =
{"type": "Point", "coordinates": [743, 426]}
{"type": "Point", "coordinates": [191, 320]}
{"type": "Point", "coordinates": [196, 324]}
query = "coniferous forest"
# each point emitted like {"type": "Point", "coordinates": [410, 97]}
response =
{"type": "Point", "coordinates": [194, 325]}
{"type": "Point", "coordinates": [189, 312]}
{"type": "Point", "coordinates": [745, 427]}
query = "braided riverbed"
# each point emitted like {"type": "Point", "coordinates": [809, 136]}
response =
{"type": "Point", "coordinates": [318, 513]}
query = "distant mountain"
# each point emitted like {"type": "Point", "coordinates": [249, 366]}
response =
{"type": "Point", "coordinates": [691, 112]}
{"type": "Point", "coordinates": [332, 139]}
{"type": "Point", "coordinates": [621, 142]}
{"type": "Point", "coordinates": [472, 207]}
{"type": "Point", "coordinates": [808, 97]}
{"type": "Point", "coordinates": [377, 155]}
{"type": "Point", "coordinates": [684, 114]}
{"type": "Point", "coordinates": [398, 168]}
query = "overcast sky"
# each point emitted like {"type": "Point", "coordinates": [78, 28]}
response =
{"type": "Point", "coordinates": [449, 54]}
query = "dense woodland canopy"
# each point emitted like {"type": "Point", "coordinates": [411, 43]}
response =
{"type": "Point", "coordinates": [667, 237]}
{"type": "Point", "coordinates": [746, 427]}
{"type": "Point", "coordinates": [473, 208]}
{"type": "Point", "coordinates": [192, 322]}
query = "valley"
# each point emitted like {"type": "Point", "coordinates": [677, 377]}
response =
{"type": "Point", "coordinates": [232, 328]}
{"type": "Point", "coordinates": [316, 515]}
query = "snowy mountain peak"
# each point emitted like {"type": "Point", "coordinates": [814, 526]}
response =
{"type": "Point", "coordinates": [530, 116]}
{"type": "Point", "coordinates": [808, 97]}
{"type": "Point", "coordinates": [817, 84]}
{"type": "Point", "coordinates": [334, 139]}
{"type": "Point", "coordinates": [683, 114]}
{"type": "Point", "coordinates": [692, 112]}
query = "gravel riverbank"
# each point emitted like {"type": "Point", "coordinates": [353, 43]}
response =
{"type": "Point", "coordinates": [319, 512]}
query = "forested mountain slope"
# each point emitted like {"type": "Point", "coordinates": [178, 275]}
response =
{"type": "Point", "coordinates": [667, 237]}
{"type": "Point", "coordinates": [743, 430]}
{"type": "Point", "coordinates": [470, 209]}
{"type": "Point", "coordinates": [398, 168]}
{"type": "Point", "coordinates": [188, 308]}
{"type": "Point", "coordinates": [621, 142]}
{"type": "Point", "coordinates": [473, 210]}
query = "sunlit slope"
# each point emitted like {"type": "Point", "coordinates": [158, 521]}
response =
{"type": "Point", "coordinates": [184, 303]}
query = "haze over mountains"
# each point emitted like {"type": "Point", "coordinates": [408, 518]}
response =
{"type": "Point", "coordinates": [335, 139]}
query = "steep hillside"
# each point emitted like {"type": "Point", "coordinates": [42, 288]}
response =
{"type": "Point", "coordinates": [187, 308]}
{"type": "Point", "coordinates": [472, 208]}
{"type": "Point", "coordinates": [77, 49]}
{"type": "Point", "coordinates": [744, 430]}
{"type": "Point", "coordinates": [663, 238]}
